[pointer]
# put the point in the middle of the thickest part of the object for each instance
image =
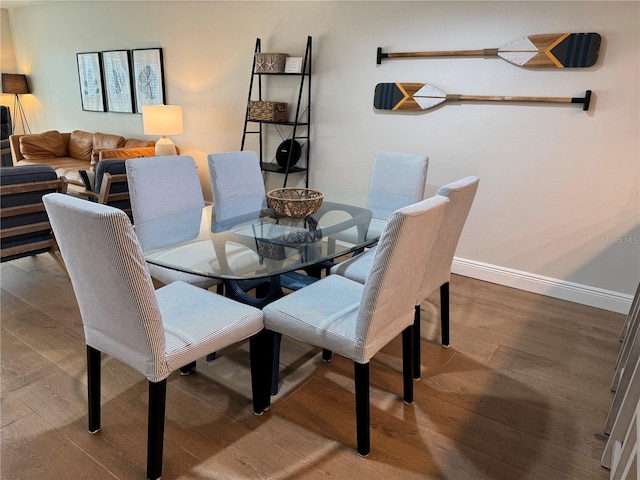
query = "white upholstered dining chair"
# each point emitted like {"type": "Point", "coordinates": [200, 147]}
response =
{"type": "Point", "coordinates": [437, 273]}
{"type": "Point", "coordinates": [236, 178]}
{"type": "Point", "coordinates": [397, 179]}
{"type": "Point", "coordinates": [154, 332]}
{"type": "Point", "coordinates": [163, 186]}
{"type": "Point", "coordinates": [356, 320]}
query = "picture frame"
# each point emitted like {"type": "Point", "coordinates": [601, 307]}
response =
{"type": "Point", "coordinates": [293, 65]}
{"type": "Point", "coordinates": [116, 68]}
{"type": "Point", "coordinates": [90, 79]}
{"type": "Point", "coordinates": [148, 77]}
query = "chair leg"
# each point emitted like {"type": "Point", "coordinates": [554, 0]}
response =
{"type": "Point", "coordinates": [93, 388]}
{"type": "Point", "coordinates": [275, 374]}
{"type": "Point", "coordinates": [187, 369]}
{"type": "Point", "coordinates": [444, 313]}
{"type": "Point", "coordinates": [408, 339]}
{"type": "Point", "coordinates": [326, 355]}
{"type": "Point", "coordinates": [363, 433]}
{"type": "Point", "coordinates": [417, 349]}
{"type": "Point", "coordinates": [155, 428]}
{"type": "Point", "coordinates": [261, 348]}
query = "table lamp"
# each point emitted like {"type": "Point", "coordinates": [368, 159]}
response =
{"type": "Point", "coordinates": [16, 84]}
{"type": "Point", "coordinates": [162, 120]}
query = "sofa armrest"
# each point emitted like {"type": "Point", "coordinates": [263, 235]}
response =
{"type": "Point", "coordinates": [16, 155]}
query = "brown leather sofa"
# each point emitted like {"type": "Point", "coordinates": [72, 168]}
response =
{"type": "Point", "coordinates": [68, 153]}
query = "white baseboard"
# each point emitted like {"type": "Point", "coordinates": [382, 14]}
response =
{"type": "Point", "coordinates": [551, 287]}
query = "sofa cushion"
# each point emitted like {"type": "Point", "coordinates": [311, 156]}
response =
{"type": "Point", "coordinates": [81, 145]}
{"type": "Point", "coordinates": [104, 140]}
{"type": "Point", "coordinates": [42, 145]}
{"type": "Point", "coordinates": [134, 143]}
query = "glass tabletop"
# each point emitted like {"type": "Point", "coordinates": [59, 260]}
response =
{"type": "Point", "coordinates": [245, 239]}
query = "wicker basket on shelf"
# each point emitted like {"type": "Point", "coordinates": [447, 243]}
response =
{"type": "Point", "coordinates": [268, 111]}
{"type": "Point", "coordinates": [295, 202]}
{"type": "Point", "coordinates": [270, 62]}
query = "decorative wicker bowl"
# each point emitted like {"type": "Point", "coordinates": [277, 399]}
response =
{"type": "Point", "coordinates": [295, 202]}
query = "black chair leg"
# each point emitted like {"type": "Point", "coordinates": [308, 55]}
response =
{"type": "Point", "coordinates": [444, 313]}
{"type": "Point", "coordinates": [187, 369]}
{"type": "Point", "coordinates": [275, 374]}
{"type": "Point", "coordinates": [326, 355]}
{"type": "Point", "coordinates": [260, 352]}
{"type": "Point", "coordinates": [155, 428]}
{"type": "Point", "coordinates": [93, 388]}
{"type": "Point", "coordinates": [363, 434]}
{"type": "Point", "coordinates": [408, 339]}
{"type": "Point", "coordinates": [417, 349]}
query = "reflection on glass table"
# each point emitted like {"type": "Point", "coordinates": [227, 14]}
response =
{"type": "Point", "coordinates": [245, 243]}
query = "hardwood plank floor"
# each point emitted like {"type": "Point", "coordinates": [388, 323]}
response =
{"type": "Point", "coordinates": [523, 393]}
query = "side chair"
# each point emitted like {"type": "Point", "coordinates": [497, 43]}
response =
{"type": "Point", "coordinates": [356, 320]}
{"type": "Point", "coordinates": [162, 186]}
{"type": "Point", "coordinates": [437, 273]}
{"type": "Point", "coordinates": [397, 179]}
{"type": "Point", "coordinates": [153, 331]}
{"type": "Point", "coordinates": [24, 226]}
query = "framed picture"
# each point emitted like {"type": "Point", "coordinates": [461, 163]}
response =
{"type": "Point", "coordinates": [148, 77]}
{"type": "Point", "coordinates": [117, 80]}
{"type": "Point", "coordinates": [90, 77]}
{"type": "Point", "coordinates": [293, 65]}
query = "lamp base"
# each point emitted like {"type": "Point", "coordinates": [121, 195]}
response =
{"type": "Point", "coordinates": [165, 147]}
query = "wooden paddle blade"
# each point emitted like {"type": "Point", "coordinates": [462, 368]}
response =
{"type": "Point", "coordinates": [406, 96]}
{"type": "Point", "coordinates": [561, 50]}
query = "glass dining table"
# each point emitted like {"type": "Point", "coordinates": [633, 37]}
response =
{"type": "Point", "coordinates": [248, 246]}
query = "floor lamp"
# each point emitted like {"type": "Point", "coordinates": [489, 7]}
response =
{"type": "Point", "coordinates": [16, 84]}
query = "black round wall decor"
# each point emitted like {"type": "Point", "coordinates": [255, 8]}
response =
{"type": "Point", "coordinates": [282, 154]}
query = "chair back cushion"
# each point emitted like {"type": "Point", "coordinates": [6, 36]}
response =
{"type": "Point", "coordinates": [235, 176]}
{"type": "Point", "coordinates": [391, 288]}
{"type": "Point", "coordinates": [111, 282]}
{"type": "Point", "coordinates": [161, 186]}
{"type": "Point", "coordinates": [397, 180]}
{"type": "Point", "coordinates": [438, 271]}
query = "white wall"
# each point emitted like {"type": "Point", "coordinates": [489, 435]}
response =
{"type": "Point", "coordinates": [559, 195]}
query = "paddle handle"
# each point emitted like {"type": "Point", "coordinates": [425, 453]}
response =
{"type": "Point", "coordinates": [586, 100]}
{"type": "Point", "coordinates": [487, 52]}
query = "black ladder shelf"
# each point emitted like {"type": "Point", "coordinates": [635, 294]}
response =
{"type": "Point", "coordinates": [298, 129]}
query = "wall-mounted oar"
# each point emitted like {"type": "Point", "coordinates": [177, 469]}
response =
{"type": "Point", "coordinates": [547, 50]}
{"type": "Point", "coordinates": [419, 96]}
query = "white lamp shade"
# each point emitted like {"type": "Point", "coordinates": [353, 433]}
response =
{"type": "Point", "coordinates": [162, 120]}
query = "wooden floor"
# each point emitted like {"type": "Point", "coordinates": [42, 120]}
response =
{"type": "Point", "coordinates": [522, 393]}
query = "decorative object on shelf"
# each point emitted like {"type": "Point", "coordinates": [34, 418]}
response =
{"type": "Point", "coordinates": [288, 153]}
{"type": "Point", "coordinates": [295, 202]}
{"type": "Point", "coordinates": [163, 120]}
{"type": "Point", "coordinates": [293, 65]}
{"type": "Point", "coordinates": [270, 62]}
{"type": "Point", "coordinates": [549, 50]}
{"type": "Point", "coordinates": [117, 80]}
{"type": "Point", "coordinates": [419, 96]}
{"type": "Point", "coordinates": [90, 77]}
{"type": "Point", "coordinates": [148, 77]}
{"type": "Point", "coordinates": [261, 110]}
{"type": "Point", "coordinates": [16, 84]}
